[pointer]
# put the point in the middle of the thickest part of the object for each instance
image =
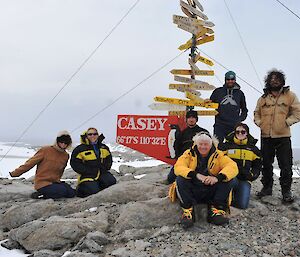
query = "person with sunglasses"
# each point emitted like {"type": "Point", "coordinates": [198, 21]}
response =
{"type": "Point", "coordinates": [232, 106]}
{"type": "Point", "coordinates": [92, 160]}
{"type": "Point", "coordinates": [276, 111]}
{"type": "Point", "coordinates": [240, 147]}
{"type": "Point", "coordinates": [51, 162]}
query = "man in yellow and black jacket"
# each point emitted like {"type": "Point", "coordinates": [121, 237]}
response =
{"type": "Point", "coordinates": [204, 175]}
{"type": "Point", "coordinates": [240, 147]}
{"type": "Point", "coordinates": [92, 160]}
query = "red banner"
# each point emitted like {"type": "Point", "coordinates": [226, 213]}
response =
{"type": "Point", "coordinates": [151, 135]}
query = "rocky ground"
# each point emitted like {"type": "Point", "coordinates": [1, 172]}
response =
{"type": "Point", "coordinates": [135, 218]}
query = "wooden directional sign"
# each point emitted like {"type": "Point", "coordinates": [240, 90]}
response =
{"type": "Point", "coordinates": [199, 112]}
{"type": "Point", "coordinates": [192, 86]}
{"type": "Point", "coordinates": [204, 60]}
{"type": "Point", "coordinates": [177, 19]}
{"type": "Point", "coordinates": [185, 102]}
{"type": "Point", "coordinates": [182, 89]}
{"type": "Point", "coordinates": [192, 96]}
{"type": "Point", "coordinates": [192, 29]}
{"type": "Point", "coordinates": [197, 3]}
{"type": "Point", "coordinates": [167, 107]}
{"type": "Point", "coordinates": [203, 40]}
{"type": "Point", "coordinates": [201, 32]}
{"type": "Point", "coordinates": [186, 12]}
{"type": "Point", "coordinates": [189, 72]}
{"type": "Point", "coordinates": [193, 10]}
{"type": "Point", "coordinates": [190, 81]}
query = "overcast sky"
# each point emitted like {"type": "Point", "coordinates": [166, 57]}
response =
{"type": "Point", "coordinates": [44, 41]}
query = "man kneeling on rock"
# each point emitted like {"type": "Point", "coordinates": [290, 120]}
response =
{"type": "Point", "coordinates": [204, 175]}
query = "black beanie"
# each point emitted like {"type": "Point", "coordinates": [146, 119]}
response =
{"type": "Point", "coordinates": [192, 113]}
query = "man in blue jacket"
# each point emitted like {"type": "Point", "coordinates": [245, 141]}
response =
{"type": "Point", "coordinates": [232, 106]}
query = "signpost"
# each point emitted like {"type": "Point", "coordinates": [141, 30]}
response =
{"type": "Point", "coordinates": [155, 135]}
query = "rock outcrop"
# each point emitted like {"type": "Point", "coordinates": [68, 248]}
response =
{"type": "Point", "coordinates": [135, 218]}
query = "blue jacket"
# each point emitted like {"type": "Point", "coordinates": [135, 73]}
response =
{"type": "Point", "coordinates": [232, 105]}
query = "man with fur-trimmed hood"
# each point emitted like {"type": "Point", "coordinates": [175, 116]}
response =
{"type": "Point", "coordinates": [276, 110]}
{"type": "Point", "coordinates": [204, 175]}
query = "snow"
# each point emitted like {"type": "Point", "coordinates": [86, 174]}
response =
{"type": "Point", "coordinates": [11, 253]}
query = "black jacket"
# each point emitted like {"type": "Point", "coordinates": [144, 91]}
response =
{"type": "Point", "coordinates": [232, 105]}
{"type": "Point", "coordinates": [85, 161]}
{"type": "Point", "coordinates": [246, 155]}
{"type": "Point", "coordinates": [184, 139]}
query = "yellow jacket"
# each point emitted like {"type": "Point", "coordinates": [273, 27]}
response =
{"type": "Point", "coordinates": [217, 163]}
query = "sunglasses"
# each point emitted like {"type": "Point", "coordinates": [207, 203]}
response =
{"type": "Point", "coordinates": [92, 134]}
{"type": "Point", "coordinates": [243, 132]}
{"type": "Point", "coordinates": [230, 79]}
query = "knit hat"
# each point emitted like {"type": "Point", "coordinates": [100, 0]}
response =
{"type": "Point", "coordinates": [202, 136]}
{"type": "Point", "coordinates": [191, 113]}
{"type": "Point", "coordinates": [230, 75]}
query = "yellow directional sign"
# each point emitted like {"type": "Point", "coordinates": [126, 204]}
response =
{"type": "Point", "coordinates": [204, 60]}
{"type": "Point", "coordinates": [177, 19]}
{"type": "Point", "coordinates": [185, 102]}
{"type": "Point", "coordinates": [193, 96]}
{"type": "Point", "coordinates": [189, 72]}
{"type": "Point", "coordinates": [199, 112]}
{"type": "Point", "coordinates": [204, 39]}
{"type": "Point", "coordinates": [192, 86]}
{"type": "Point", "coordinates": [202, 32]}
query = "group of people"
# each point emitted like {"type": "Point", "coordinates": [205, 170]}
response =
{"type": "Point", "coordinates": [218, 169]}
{"type": "Point", "coordinates": [91, 159]}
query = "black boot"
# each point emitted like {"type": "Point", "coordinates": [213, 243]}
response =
{"type": "Point", "coordinates": [187, 218]}
{"type": "Point", "coordinates": [217, 215]}
{"type": "Point", "coordinates": [287, 196]}
{"type": "Point", "coordinates": [264, 192]}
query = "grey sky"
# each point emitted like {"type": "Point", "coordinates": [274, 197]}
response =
{"type": "Point", "coordinates": [43, 43]}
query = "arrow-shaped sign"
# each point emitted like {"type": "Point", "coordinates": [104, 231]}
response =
{"type": "Point", "coordinates": [189, 72]}
{"type": "Point", "coordinates": [203, 60]}
{"type": "Point", "coordinates": [185, 102]}
{"type": "Point", "coordinates": [191, 21]}
{"type": "Point", "coordinates": [192, 86]}
{"type": "Point", "coordinates": [193, 10]}
{"type": "Point", "coordinates": [199, 112]}
{"type": "Point", "coordinates": [203, 40]}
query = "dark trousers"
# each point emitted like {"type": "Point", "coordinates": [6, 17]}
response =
{"type": "Point", "coordinates": [171, 176]}
{"type": "Point", "coordinates": [57, 190]}
{"type": "Point", "coordinates": [192, 191]}
{"type": "Point", "coordinates": [221, 131]}
{"type": "Point", "coordinates": [282, 149]}
{"type": "Point", "coordinates": [87, 188]}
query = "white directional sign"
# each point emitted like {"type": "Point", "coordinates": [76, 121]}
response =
{"type": "Point", "coordinates": [167, 107]}
{"type": "Point", "coordinates": [193, 10]}
{"type": "Point", "coordinates": [191, 21]}
{"type": "Point", "coordinates": [190, 81]}
{"type": "Point", "coordinates": [192, 29]}
{"type": "Point", "coordinates": [198, 5]}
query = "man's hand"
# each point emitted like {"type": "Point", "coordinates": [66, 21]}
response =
{"type": "Point", "coordinates": [210, 180]}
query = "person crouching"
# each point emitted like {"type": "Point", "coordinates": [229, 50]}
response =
{"type": "Point", "coordinates": [204, 175]}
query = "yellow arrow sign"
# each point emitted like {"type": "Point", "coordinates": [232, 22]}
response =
{"type": "Point", "coordinates": [189, 72]}
{"type": "Point", "coordinates": [192, 86]}
{"type": "Point", "coordinates": [204, 60]}
{"type": "Point", "coordinates": [185, 102]}
{"type": "Point", "coordinates": [193, 96]}
{"type": "Point", "coordinates": [203, 40]}
{"type": "Point", "coordinates": [200, 113]}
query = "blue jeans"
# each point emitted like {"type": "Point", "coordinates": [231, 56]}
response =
{"type": "Point", "coordinates": [241, 194]}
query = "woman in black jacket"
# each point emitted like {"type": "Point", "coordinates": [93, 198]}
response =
{"type": "Point", "coordinates": [240, 147]}
{"type": "Point", "coordinates": [92, 160]}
